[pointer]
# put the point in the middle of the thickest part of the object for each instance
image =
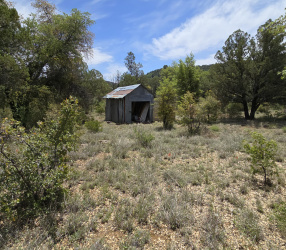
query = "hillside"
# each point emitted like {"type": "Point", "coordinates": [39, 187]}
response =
{"type": "Point", "coordinates": [172, 192]}
{"type": "Point", "coordinates": [156, 72]}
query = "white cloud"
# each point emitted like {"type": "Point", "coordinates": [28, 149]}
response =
{"type": "Point", "coordinates": [98, 57]}
{"type": "Point", "coordinates": [112, 69]}
{"type": "Point", "coordinates": [206, 61]}
{"type": "Point", "coordinates": [211, 28]}
{"type": "Point", "coordinates": [23, 7]}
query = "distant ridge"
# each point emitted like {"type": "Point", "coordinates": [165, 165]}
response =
{"type": "Point", "coordinates": [157, 72]}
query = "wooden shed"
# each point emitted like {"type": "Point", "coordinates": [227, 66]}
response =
{"type": "Point", "coordinates": [129, 104]}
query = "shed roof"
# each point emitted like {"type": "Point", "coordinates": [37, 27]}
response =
{"type": "Point", "coordinates": [121, 92]}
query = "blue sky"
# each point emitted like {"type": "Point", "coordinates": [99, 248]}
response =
{"type": "Point", "coordinates": [159, 32]}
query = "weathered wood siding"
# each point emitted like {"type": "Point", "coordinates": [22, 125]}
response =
{"type": "Point", "coordinates": [139, 94]}
{"type": "Point", "coordinates": [120, 110]}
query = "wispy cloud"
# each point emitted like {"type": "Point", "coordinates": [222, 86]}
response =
{"type": "Point", "coordinates": [98, 57]}
{"type": "Point", "coordinates": [206, 61]}
{"type": "Point", "coordinates": [212, 27]}
{"type": "Point", "coordinates": [112, 69]}
{"type": "Point", "coordinates": [23, 7]}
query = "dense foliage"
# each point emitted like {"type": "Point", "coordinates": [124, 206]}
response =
{"type": "Point", "coordinates": [166, 101]}
{"type": "Point", "coordinates": [248, 69]}
{"type": "Point", "coordinates": [33, 165]}
{"type": "Point", "coordinates": [41, 61]}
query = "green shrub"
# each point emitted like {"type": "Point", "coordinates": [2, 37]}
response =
{"type": "Point", "coordinates": [94, 126]}
{"type": "Point", "coordinates": [100, 107]}
{"type": "Point", "coordinates": [262, 154]}
{"type": "Point", "coordinates": [284, 129]}
{"type": "Point", "coordinates": [144, 138]}
{"type": "Point", "coordinates": [214, 128]}
{"type": "Point", "coordinates": [265, 109]}
{"type": "Point", "coordinates": [280, 217]}
{"type": "Point", "coordinates": [166, 102]}
{"type": "Point", "coordinates": [210, 107]}
{"type": "Point", "coordinates": [33, 165]}
{"type": "Point", "coordinates": [234, 109]}
{"type": "Point", "coordinates": [190, 113]}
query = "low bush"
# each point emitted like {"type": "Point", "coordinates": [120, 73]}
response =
{"type": "Point", "coordinates": [100, 107]}
{"type": "Point", "coordinates": [262, 154]}
{"type": "Point", "coordinates": [94, 126]}
{"type": "Point", "coordinates": [210, 107]}
{"type": "Point", "coordinates": [33, 165]}
{"type": "Point", "coordinates": [214, 128]}
{"type": "Point", "coordinates": [190, 113]}
{"type": "Point", "coordinates": [234, 110]}
{"type": "Point", "coordinates": [143, 137]}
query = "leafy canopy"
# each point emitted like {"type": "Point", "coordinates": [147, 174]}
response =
{"type": "Point", "coordinates": [33, 165]}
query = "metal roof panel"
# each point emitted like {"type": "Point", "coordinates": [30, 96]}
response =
{"type": "Point", "coordinates": [121, 92]}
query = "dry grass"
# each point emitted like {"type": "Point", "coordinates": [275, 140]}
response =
{"type": "Point", "coordinates": [175, 192]}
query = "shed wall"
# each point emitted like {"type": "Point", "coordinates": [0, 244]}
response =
{"type": "Point", "coordinates": [140, 94]}
{"type": "Point", "coordinates": [114, 109]}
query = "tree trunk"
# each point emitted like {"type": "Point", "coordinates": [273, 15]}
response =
{"type": "Point", "coordinates": [252, 112]}
{"type": "Point", "coordinates": [254, 107]}
{"type": "Point", "coordinates": [245, 108]}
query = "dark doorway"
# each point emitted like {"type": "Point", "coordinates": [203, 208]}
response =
{"type": "Point", "coordinates": [140, 111]}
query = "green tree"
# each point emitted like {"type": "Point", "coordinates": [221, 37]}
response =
{"type": "Point", "coordinates": [276, 27]}
{"type": "Point", "coordinates": [13, 72]}
{"type": "Point", "coordinates": [188, 76]}
{"type": "Point", "coordinates": [247, 69]}
{"type": "Point", "coordinates": [33, 165]}
{"type": "Point", "coordinates": [54, 48]}
{"type": "Point", "coordinates": [166, 102]}
{"type": "Point", "coordinates": [232, 75]}
{"type": "Point", "coordinates": [132, 66]}
{"type": "Point", "coordinates": [127, 79]}
{"type": "Point", "coordinates": [268, 60]}
{"type": "Point", "coordinates": [95, 86]}
{"type": "Point", "coordinates": [42, 57]}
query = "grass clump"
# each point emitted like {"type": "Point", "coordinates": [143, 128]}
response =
{"type": "Point", "coordinates": [247, 222]}
{"type": "Point", "coordinates": [124, 216]}
{"type": "Point", "coordinates": [280, 217]}
{"type": "Point", "coordinates": [137, 240]}
{"type": "Point", "coordinates": [75, 227]}
{"type": "Point", "coordinates": [175, 211]}
{"type": "Point", "coordinates": [143, 137]}
{"type": "Point", "coordinates": [214, 128]}
{"type": "Point", "coordinates": [214, 235]}
{"type": "Point", "coordinates": [93, 126]}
